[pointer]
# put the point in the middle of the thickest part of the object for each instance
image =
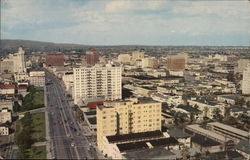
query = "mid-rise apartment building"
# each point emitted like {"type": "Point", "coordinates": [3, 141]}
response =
{"type": "Point", "coordinates": [128, 116]}
{"type": "Point", "coordinates": [37, 78]}
{"type": "Point", "coordinates": [100, 82]}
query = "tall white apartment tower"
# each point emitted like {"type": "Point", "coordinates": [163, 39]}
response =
{"type": "Point", "coordinates": [99, 82]}
{"type": "Point", "coordinates": [246, 80]}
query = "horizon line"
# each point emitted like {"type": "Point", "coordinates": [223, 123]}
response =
{"type": "Point", "coordinates": [69, 43]}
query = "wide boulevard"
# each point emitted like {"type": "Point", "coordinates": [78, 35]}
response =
{"type": "Point", "coordinates": [66, 138]}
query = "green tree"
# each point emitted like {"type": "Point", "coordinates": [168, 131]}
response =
{"type": "Point", "coordinates": [217, 114]}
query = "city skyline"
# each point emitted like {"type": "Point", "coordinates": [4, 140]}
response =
{"type": "Point", "coordinates": [128, 22]}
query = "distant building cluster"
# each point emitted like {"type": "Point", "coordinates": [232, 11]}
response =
{"type": "Point", "coordinates": [142, 105]}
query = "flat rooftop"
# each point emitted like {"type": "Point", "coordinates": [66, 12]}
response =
{"type": "Point", "coordinates": [162, 142]}
{"type": "Point", "coordinates": [189, 108]}
{"type": "Point", "coordinates": [135, 136]}
{"type": "Point", "coordinates": [159, 153]}
{"type": "Point", "coordinates": [204, 141]}
{"type": "Point", "coordinates": [197, 129]}
{"type": "Point", "coordinates": [229, 128]}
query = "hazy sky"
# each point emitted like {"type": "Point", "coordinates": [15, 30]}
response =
{"type": "Point", "coordinates": [151, 22]}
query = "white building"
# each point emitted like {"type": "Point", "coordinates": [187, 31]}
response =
{"type": "Point", "coordinates": [22, 76]}
{"type": "Point", "coordinates": [37, 78]}
{"type": "Point", "coordinates": [246, 80]}
{"type": "Point", "coordinates": [68, 80]}
{"type": "Point", "coordinates": [5, 116]}
{"type": "Point", "coordinates": [4, 131]}
{"type": "Point", "coordinates": [18, 61]}
{"type": "Point", "coordinates": [100, 82]}
{"type": "Point", "coordinates": [7, 89]}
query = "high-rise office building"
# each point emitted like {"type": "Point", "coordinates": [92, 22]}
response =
{"type": "Point", "coordinates": [177, 62]}
{"type": "Point", "coordinates": [54, 59]}
{"type": "Point", "coordinates": [246, 80]}
{"type": "Point", "coordinates": [129, 116]}
{"type": "Point", "coordinates": [99, 82]}
{"type": "Point", "coordinates": [92, 57]}
{"type": "Point", "coordinates": [19, 65]}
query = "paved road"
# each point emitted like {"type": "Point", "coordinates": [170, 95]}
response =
{"type": "Point", "coordinates": [67, 141]}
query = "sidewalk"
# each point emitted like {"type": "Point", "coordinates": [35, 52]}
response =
{"type": "Point", "coordinates": [48, 143]}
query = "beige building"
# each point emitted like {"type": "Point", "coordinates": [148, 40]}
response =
{"type": "Point", "coordinates": [37, 78]}
{"type": "Point", "coordinates": [18, 61]}
{"type": "Point", "coordinates": [6, 104]}
{"type": "Point", "coordinates": [6, 65]}
{"type": "Point", "coordinates": [246, 80]}
{"type": "Point", "coordinates": [5, 116]}
{"type": "Point", "coordinates": [4, 131]}
{"type": "Point", "coordinates": [137, 55]}
{"type": "Point", "coordinates": [22, 76]}
{"type": "Point", "coordinates": [242, 64]}
{"type": "Point", "coordinates": [124, 58]}
{"type": "Point", "coordinates": [128, 116]}
{"type": "Point", "coordinates": [149, 62]}
{"type": "Point", "coordinates": [207, 107]}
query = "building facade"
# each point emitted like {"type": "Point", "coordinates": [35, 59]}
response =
{"type": "Point", "coordinates": [100, 82]}
{"type": "Point", "coordinates": [177, 62]}
{"type": "Point", "coordinates": [37, 78]}
{"type": "Point", "coordinates": [5, 116]}
{"type": "Point", "coordinates": [54, 59]}
{"type": "Point", "coordinates": [6, 66]}
{"type": "Point", "coordinates": [246, 80]}
{"type": "Point", "coordinates": [4, 131]}
{"type": "Point", "coordinates": [129, 116]}
{"type": "Point", "coordinates": [19, 61]}
{"type": "Point", "coordinates": [92, 57]}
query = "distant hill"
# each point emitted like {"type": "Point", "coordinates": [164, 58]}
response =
{"type": "Point", "coordinates": [8, 45]}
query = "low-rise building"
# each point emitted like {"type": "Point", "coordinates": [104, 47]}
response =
{"type": "Point", "coordinates": [6, 104]}
{"type": "Point", "coordinates": [127, 146]}
{"type": "Point", "coordinates": [207, 106]}
{"type": "Point", "coordinates": [7, 89]}
{"type": "Point", "coordinates": [22, 90]}
{"type": "Point", "coordinates": [229, 98]}
{"type": "Point", "coordinates": [23, 76]}
{"type": "Point", "coordinates": [226, 130]}
{"type": "Point", "coordinates": [190, 111]}
{"type": "Point", "coordinates": [4, 131]}
{"type": "Point", "coordinates": [5, 115]}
